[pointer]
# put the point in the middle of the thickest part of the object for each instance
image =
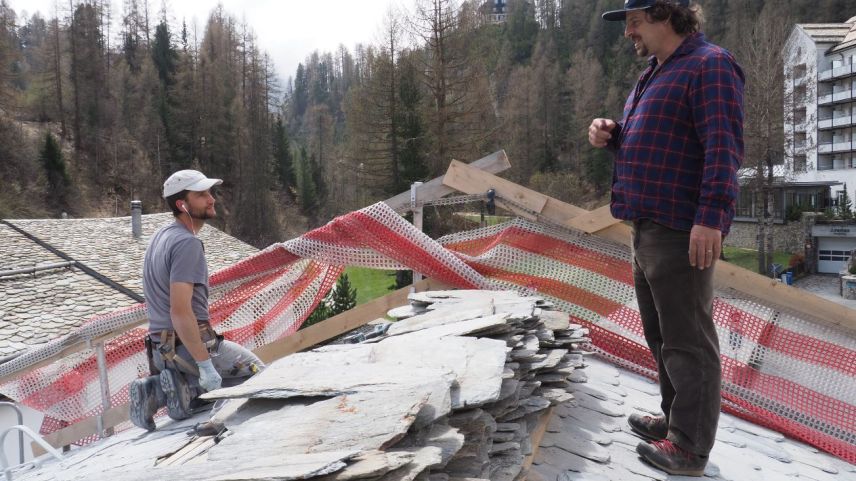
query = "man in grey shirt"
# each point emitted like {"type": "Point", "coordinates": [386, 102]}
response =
{"type": "Point", "coordinates": [190, 357]}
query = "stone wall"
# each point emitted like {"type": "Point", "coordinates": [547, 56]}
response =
{"type": "Point", "coordinates": [790, 237]}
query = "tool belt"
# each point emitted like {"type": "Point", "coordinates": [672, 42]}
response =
{"type": "Point", "coordinates": [169, 342]}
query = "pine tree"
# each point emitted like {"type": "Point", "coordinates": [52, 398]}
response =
{"type": "Point", "coordinates": [344, 295]}
{"type": "Point", "coordinates": [845, 205]}
{"type": "Point", "coordinates": [306, 191]}
{"type": "Point", "coordinates": [283, 160]}
{"type": "Point", "coordinates": [410, 130]}
{"type": "Point", "coordinates": [50, 156]}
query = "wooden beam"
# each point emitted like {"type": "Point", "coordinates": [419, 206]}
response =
{"type": "Point", "coordinates": [434, 188]}
{"type": "Point", "coordinates": [82, 429]}
{"type": "Point", "coordinates": [535, 438]}
{"type": "Point", "coordinates": [469, 180]}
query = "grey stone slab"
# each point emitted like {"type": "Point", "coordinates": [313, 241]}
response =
{"type": "Point", "coordinates": [360, 421]}
{"type": "Point", "coordinates": [438, 318]}
{"type": "Point", "coordinates": [581, 447]}
{"type": "Point", "coordinates": [477, 364]}
{"type": "Point", "coordinates": [424, 458]}
{"type": "Point", "coordinates": [370, 464]}
{"type": "Point", "coordinates": [288, 379]}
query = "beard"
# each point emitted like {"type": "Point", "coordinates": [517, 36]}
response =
{"type": "Point", "coordinates": [640, 47]}
{"type": "Point", "coordinates": [202, 214]}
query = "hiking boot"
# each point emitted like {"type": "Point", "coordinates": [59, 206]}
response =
{"type": "Point", "coordinates": [146, 398]}
{"type": "Point", "coordinates": [649, 427]}
{"type": "Point", "coordinates": [671, 458]}
{"type": "Point", "coordinates": [178, 394]}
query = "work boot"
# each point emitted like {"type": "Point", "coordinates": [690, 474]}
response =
{"type": "Point", "coordinates": [146, 398]}
{"type": "Point", "coordinates": [178, 394]}
{"type": "Point", "coordinates": [649, 427]}
{"type": "Point", "coordinates": [671, 458]}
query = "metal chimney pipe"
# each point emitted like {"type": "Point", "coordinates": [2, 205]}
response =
{"type": "Point", "coordinates": [137, 218]}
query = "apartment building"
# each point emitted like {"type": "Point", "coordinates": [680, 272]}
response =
{"type": "Point", "coordinates": [820, 125]}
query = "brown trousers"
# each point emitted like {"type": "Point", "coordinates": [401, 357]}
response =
{"type": "Point", "coordinates": [676, 304]}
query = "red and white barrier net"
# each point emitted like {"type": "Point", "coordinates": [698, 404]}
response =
{"type": "Point", "coordinates": [779, 370]}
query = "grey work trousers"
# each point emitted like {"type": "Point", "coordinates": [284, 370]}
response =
{"type": "Point", "coordinates": [676, 306]}
{"type": "Point", "coordinates": [232, 361]}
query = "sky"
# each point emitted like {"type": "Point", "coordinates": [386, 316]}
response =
{"type": "Point", "coordinates": [288, 30]}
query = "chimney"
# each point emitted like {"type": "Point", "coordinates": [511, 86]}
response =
{"type": "Point", "coordinates": [137, 218]}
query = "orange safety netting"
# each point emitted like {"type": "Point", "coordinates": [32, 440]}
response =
{"type": "Point", "coordinates": [779, 370]}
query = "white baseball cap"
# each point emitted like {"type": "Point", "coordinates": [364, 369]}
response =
{"type": "Point", "coordinates": [188, 180]}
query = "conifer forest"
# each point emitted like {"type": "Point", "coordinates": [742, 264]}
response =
{"type": "Point", "coordinates": [99, 102]}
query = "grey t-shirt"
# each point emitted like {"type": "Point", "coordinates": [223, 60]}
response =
{"type": "Point", "coordinates": [174, 255]}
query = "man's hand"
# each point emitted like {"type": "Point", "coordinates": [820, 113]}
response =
{"type": "Point", "coordinates": [209, 378]}
{"type": "Point", "coordinates": [705, 246]}
{"type": "Point", "coordinates": [600, 131]}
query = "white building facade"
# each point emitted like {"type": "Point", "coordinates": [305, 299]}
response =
{"type": "Point", "coordinates": [820, 122]}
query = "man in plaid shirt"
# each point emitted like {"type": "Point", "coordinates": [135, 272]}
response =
{"type": "Point", "coordinates": [677, 150]}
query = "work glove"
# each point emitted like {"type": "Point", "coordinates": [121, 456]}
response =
{"type": "Point", "coordinates": [209, 378]}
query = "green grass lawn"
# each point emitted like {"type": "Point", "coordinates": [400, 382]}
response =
{"type": "Point", "coordinates": [748, 258]}
{"type": "Point", "coordinates": [489, 219]}
{"type": "Point", "coordinates": [370, 283]}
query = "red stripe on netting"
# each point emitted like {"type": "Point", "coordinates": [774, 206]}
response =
{"type": "Point", "coordinates": [769, 419]}
{"type": "Point", "coordinates": [370, 232]}
{"type": "Point", "coordinates": [790, 394]}
{"type": "Point", "coordinates": [547, 246]}
{"type": "Point", "coordinates": [798, 346]}
{"type": "Point", "coordinates": [76, 379]}
{"type": "Point", "coordinates": [618, 345]}
{"type": "Point", "coordinates": [251, 266]}
{"type": "Point", "coordinates": [301, 285]}
{"type": "Point", "coordinates": [229, 302]}
{"type": "Point", "coordinates": [572, 294]}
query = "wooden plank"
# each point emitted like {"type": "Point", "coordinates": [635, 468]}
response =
{"type": "Point", "coordinates": [342, 323]}
{"type": "Point", "coordinates": [468, 180]}
{"type": "Point", "coordinates": [434, 188]}
{"type": "Point", "coordinates": [594, 221]}
{"type": "Point", "coordinates": [461, 175]}
{"type": "Point", "coordinates": [536, 436]}
{"type": "Point", "coordinates": [85, 428]}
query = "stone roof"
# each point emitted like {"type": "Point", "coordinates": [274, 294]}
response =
{"type": "Point", "coordinates": [589, 439]}
{"type": "Point", "coordinates": [452, 393]}
{"type": "Point", "coordinates": [826, 32]}
{"type": "Point", "coordinates": [45, 304]}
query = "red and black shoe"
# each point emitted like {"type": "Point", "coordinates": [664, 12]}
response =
{"type": "Point", "coordinates": [671, 458]}
{"type": "Point", "coordinates": [649, 427]}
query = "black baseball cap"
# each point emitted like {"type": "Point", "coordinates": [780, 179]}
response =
{"type": "Point", "coordinates": [630, 5]}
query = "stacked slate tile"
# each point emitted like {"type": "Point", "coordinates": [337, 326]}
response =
{"type": "Point", "coordinates": [453, 390]}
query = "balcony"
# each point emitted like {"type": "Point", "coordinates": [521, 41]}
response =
{"type": "Point", "coordinates": [837, 73]}
{"type": "Point", "coordinates": [837, 122]}
{"type": "Point", "coordinates": [836, 147]}
{"type": "Point", "coordinates": [836, 97]}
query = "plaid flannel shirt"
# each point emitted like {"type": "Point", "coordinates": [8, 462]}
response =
{"type": "Point", "coordinates": [680, 143]}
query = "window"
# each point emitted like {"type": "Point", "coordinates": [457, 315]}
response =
{"type": "Point", "coordinates": [830, 255]}
{"type": "Point", "coordinates": [799, 71]}
{"type": "Point", "coordinates": [800, 142]}
{"type": "Point", "coordinates": [743, 206]}
{"type": "Point", "coordinates": [800, 163]}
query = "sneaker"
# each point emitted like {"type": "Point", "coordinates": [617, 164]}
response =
{"type": "Point", "coordinates": [671, 458]}
{"type": "Point", "coordinates": [144, 402]}
{"type": "Point", "coordinates": [178, 394]}
{"type": "Point", "coordinates": [649, 427]}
